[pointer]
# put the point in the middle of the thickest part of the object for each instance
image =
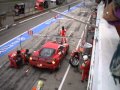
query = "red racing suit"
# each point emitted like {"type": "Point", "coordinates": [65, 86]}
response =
{"type": "Point", "coordinates": [85, 69]}
{"type": "Point", "coordinates": [63, 34]}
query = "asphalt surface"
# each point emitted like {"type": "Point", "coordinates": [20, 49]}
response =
{"type": "Point", "coordinates": [12, 32]}
{"type": "Point", "coordinates": [17, 79]}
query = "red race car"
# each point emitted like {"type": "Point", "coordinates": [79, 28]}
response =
{"type": "Point", "coordinates": [44, 4]}
{"type": "Point", "coordinates": [18, 58]}
{"type": "Point", "coordinates": [49, 56]}
{"type": "Point", "coordinates": [41, 4]}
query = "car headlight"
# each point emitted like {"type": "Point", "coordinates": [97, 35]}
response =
{"type": "Point", "coordinates": [53, 62]}
{"type": "Point", "coordinates": [14, 55]}
{"type": "Point", "coordinates": [30, 58]}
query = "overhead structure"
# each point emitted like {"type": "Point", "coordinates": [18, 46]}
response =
{"type": "Point", "coordinates": [76, 19]}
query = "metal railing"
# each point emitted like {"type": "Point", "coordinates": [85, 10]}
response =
{"type": "Point", "coordinates": [95, 56]}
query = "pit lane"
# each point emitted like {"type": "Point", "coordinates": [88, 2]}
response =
{"type": "Point", "coordinates": [13, 79]}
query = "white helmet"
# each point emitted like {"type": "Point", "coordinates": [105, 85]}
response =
{"type": "Point", "coordinates": [85, 57]}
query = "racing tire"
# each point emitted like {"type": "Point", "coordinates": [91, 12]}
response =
{"type": "Point", "coordinates": [46, 4]}
{"type": "Point", "coordinates": [74, 62]}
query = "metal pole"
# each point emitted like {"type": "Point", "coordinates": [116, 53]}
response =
{"type": "Point", "coordinates": [84, 2]}
{"type": "Point", "coordinates": [59, 26]}
{"type": "Point", "coordinates": [20, 42]}
{"type": "Point", "coordinates": [68, 7]}
{"type": "Point", "coordinates": [72, 17]}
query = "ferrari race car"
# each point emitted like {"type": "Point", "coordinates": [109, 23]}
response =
{"type": "Point", "coordinates": [49, 56]}
{"type": "Point", "coordinates": [19, 58]}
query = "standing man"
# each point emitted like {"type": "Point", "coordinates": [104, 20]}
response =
{"type": "Point", "coordinates": [19, 60]}
{"type": "Point", "coordinates": [85, 68]}
{"type": "Point", "coordinates": [27, 56]}
{"type": "Point", "coordinates": [68, 7]}
{"type": "Point", "coordinates": [63, 34]}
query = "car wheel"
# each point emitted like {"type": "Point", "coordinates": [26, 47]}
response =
{"type": "Point", "coordinates": [74, 62]}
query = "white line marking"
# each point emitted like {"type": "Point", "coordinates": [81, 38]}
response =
{"type": "Point", "coordinates": [2, 29]}
{"type": "Point", "coordinates": [33, 17]}
{"type": "Point", "coordinates": [68, 68]}
{"type": "Point", "coordinates": [60, 87]}
{"type": "Point", "coordinates": [14, 24]}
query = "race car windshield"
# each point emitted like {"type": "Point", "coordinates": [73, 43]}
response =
{"type": "Point", "coordinates": [47, 52]}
